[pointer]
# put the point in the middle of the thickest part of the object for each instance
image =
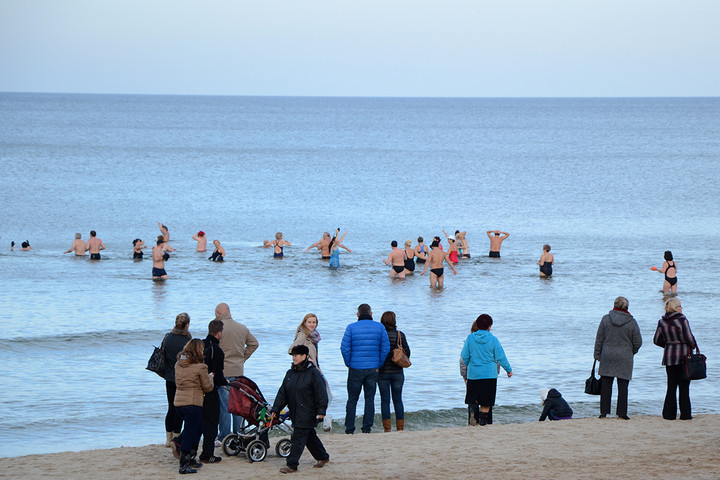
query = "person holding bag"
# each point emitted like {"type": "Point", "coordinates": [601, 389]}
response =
{"type": "Point", "coordinates": [674, 336]}
{"type": "Point", "coordinates": [391, 377]}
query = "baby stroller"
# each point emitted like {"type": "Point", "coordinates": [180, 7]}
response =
{"type": "Point", "coordinates": [247, 401]}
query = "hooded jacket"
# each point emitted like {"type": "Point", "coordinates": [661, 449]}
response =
{"type": "Point", "coordinates": [557, 404]}
{"type": "Point", "coordinates": [303, 391]}
{"type": "Point", "coordinates": [618, 339]}
{"type": "Point", "coordinates": [481, 353]}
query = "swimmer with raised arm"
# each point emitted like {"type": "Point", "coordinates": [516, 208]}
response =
{"type": "Point", "coordinates": [397, 260]}
{"type": "Point", "coordinates": [334, 248]}
{"type": "Point", "coordinates": [25, 246]}
{"type": "Point", "coordinates": [278, 244]}
{"type": "Point", "coordinates": [201, 240]}
{"type": "Point", "coordinates": [94, 245]}
{"type": "Point", "coordinates": [138, 246]}
{"type": "Point", "coordinates": [435, 262]}
{"type": "Point", "coordinates": [166, 237]}
{"type": "Point", "coordinates": [496, 238]}
{"type": "Point", "coordinates": [452, 248]}
{"type": "Point", "coordinates": [78, 246]}
{"type": "Point", "coordinates": [324, 246]}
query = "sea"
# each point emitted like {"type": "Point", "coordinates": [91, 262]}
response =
{"type": "Point", "coordinates": [609, 183]}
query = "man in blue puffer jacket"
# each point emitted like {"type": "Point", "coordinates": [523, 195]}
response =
{"type": "Point", "coordinates": [364, 348]}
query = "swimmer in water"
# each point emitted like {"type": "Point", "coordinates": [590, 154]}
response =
{"type": "Point", "coordinates": [324, 246]}
{"type": "Point", "coordinates": [278, 245]}
{"type": "Point", "coordinates": [397, 260]}
{"type": "Point", "coordinates": [409, 257]}
{"type": "Point", "coordinates": [435, 262]}
{"type": "Point", "coordinates": [421, 251]}
{"type": "Point", "coordinates": [201, 240]}
{"type": "Point", "coordinates": [462, 244]}
{"type": "Point", "coordinates": [335, 249]}
{"type": "Point", "coordinates": [670, 270]}
{"type": "Point", "coordinates": [25, 246]}
{"type": "Point", "coordinates": [138, 246]}
{"type": "Point", "coordinates": [94, 245]}
{"type": "Point", "coordinates": [218, 254]}
{"type": "Point", "coordinates": [546, 261]}
{"type": "Point", "coordinates": [496, 238]}
{"type": "Point", "coordinates": [159, 256]}
{"type": "Point", "coordinates": [452, 248]}
{"type": "Point", "coordinates": [78, 246]}
{"type": "Point", "coordinates": [165, 233]}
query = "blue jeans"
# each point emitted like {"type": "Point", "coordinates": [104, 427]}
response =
{"type": "Point", "coordinates": [192, 419]}
{"type": "Point", "coordinates": [365, 379]}
{"type": "Point", "coordinates": [227, 418]}
{"type": "Point", "coordinates": [391, 383]}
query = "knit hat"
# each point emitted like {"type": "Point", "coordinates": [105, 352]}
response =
{"type": "Point", "coordinates": [300, 350]}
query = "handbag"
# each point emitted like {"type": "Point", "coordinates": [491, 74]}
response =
{"type": "Point", "coordinates": [398, 355]}
{"type": "Point", "coordinates": [592, 384]}
{"type": "Point", "coordinates": [695, 368]}
{"type": "Point", "coordinates": [156, 362]}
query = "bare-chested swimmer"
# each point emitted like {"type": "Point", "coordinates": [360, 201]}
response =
{"type": "Point", "coordinates": [159, 256]}
{"type": "Point", "coordinates": [496, 238]}
{"type": "Point", "coordinates": [324, 246]}
{"type": "Point", "coordinates": [94, 245]}
{"type": "Point", "coordinates": [397, 260]}
{"type": "Point", "coordinates": [435, 262]}
{"type": "Point", "coordinates": [278, 244]}
{"type": "Point", "coordinates": [462, 244]}
{"type": "Point", "coordinates": [78, 246]}
{"type": "Point", "coordinates": [166, 237]}
{"type": "Point", "coordinates": [201, 240]}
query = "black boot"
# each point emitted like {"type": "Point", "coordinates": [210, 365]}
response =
{"type": "Point", "coordinates": [193, 461]}
{"type": "Point", "coordinates": [473, 411]}
{"type": "Point", "coordinates": [482, 418]}
{"type": "Point", "coordinates": [185, 464]}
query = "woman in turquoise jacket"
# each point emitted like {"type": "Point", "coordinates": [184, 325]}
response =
{"type": "Point", "coordinates": [483, 355]}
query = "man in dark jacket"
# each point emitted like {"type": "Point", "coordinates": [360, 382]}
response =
{"type": "Point", "coordinates": [214, 359]}
{"type": "Point", "coordinates": [303, 391]}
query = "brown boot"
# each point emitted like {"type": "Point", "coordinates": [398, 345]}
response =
{"type": "Point", "coordinates": [387, 425]}
{"type": "Point", "coordinates": [400, 424]}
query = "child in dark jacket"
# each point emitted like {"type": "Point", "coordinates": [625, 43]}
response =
{"type": "Point", "coordinates": [554, 406]}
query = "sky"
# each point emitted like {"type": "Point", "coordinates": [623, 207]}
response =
{"type": "Point", "coordinates": [418, 48]}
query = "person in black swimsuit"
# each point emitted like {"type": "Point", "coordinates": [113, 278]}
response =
{"type": "Point", "coordinates": [218, 254]}
{"type": "Point", "coordinates": [397, 260]}
{"type": "Point", "coordinates": [436, 258]}
{"type": "Point", "coordinates": [669, 269]}
{"type": "Point", "coordinates": [409, 257]}
{"type": "Point", "coordinates": [420, 251]}
{"type": "Point", "coordinates": [546, 262]}
{"type": "Point", "coordinates": [138, 245]}
{"type": "Point", "coordinates": [278, 245]}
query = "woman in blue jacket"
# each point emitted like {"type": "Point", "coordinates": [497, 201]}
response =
{"type": "Point", "coordinates": [482, 353]}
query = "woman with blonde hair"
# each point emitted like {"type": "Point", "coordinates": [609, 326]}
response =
{"type": "Point", "coordinates": [307, 334]}
{"type": "Point", "coordinates": [193, 381]}
{"type": "Point", "coordinates": [674, 335]}
{"type": "Point", "coordinates": [409, 257]}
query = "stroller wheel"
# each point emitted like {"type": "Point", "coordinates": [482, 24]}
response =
{"type": "Point", "coordinates": [231, 445]}
{"type": "Point", "coordinates": [256, 451]}
{"type": "Point", "coordinates": [282, 448]}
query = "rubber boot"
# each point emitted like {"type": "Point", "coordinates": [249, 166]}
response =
{"type": "Point", "coordinates": [472, 414]}
{"type": "Point", "coordinates": [400, 424]}
{"type": "Point", "coordinates": [482, 418]}
{"type": "Point", "coordinates": [387, 424]}
{"type": "Point", "coordinates": [168, 438]}
{"type": "Point", "coordinates": [185, 464]}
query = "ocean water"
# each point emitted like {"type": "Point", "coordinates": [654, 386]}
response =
{"type": "Point", "coordinates": [609, 183]}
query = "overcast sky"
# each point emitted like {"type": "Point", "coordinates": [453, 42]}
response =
{"type": "Point", "coordinates": [466, 48]}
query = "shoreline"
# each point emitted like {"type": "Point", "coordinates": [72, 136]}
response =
{"type": "Point", "coordinates": [588, 448]}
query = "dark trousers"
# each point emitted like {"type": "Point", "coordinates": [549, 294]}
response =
{"type": "Point", "coordinates": [676, 381]}
{"type": "Point", "coordinates": [192, 416]}
{"type": "Point", "coordinates": [210, 421]}
{"type": "Point", "coordinates": [390, 385]}
{"type": "Point", "coordinates": [365, 380]}
{"type": "Point", "coordinates": [301, 438]}
{"type": "Point", "coordinates": [173, 422]}
{"type": "Point", "coordinates": [606, 396]}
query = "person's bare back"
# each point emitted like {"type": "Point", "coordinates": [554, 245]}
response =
{"type": "Point", "coordinates": [78, 246]}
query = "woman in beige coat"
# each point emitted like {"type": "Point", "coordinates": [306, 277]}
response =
{"type": "Point", "coordinates": [192, 381]}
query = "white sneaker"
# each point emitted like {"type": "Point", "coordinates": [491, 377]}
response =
{"type": "Point", "coordinates": [218, 443]}
{"type": "Point", "coordinates": [327, 423]}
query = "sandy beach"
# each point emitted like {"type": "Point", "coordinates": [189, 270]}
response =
{"type": "Point", "coordinates": [590, 448]}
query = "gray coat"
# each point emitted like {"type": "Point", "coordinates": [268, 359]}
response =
{"type": "Point", "coordinates": [618, 339]}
